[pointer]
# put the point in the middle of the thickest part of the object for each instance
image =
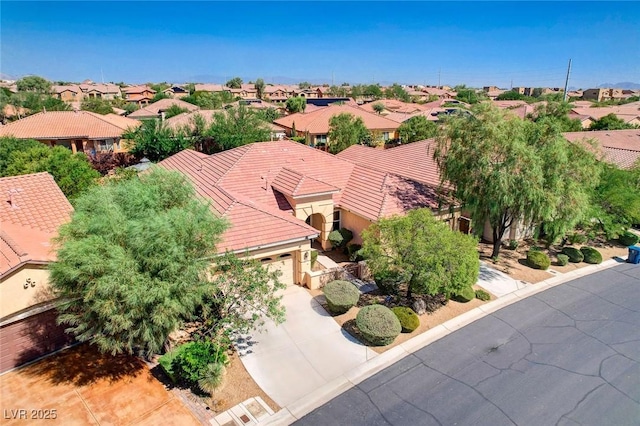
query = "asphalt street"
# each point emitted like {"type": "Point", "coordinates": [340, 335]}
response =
{"type": "Point", "coordinates": [567, 356]}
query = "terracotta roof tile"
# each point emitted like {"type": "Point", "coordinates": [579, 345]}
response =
{"type": "Point", "coordinates": [317, 122]}
{"type": "Point", "coordinates": [68, 125]}
{"type": "Point", "coordinates": [32, 208]}
{"type": "Point", "coordinates": [296, 184]}
{"type": "Point", "coordinates": [154, 109]}
{"type": "Point", "coordinates": [620, 147]}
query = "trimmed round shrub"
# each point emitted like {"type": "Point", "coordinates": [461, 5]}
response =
{"type": "Point", "coordinates": [575, 255]}
{"type": "Point", "coordinates": [563, 259]}
{"type": "Point", "coordinates": [341, 296]}
{"type": "Point", "coordinates": [538, 260]}
{"type": "Point", "coordinates": [465, 295]}
{"type": "Point", "coordinates": [482, 295]}
{"type": "Point", "coordinates": [591, 255]}
{"type": "Point", "coordinates": [576, 238]}
{"type": "Point", "coordinates": [340, 237]}
{"type": "Point", "coordinates": [409, 320]}
{"type": "Point", "coordinates": [378, 325]}
{"type": "Point", "coordinates": [628, 238]}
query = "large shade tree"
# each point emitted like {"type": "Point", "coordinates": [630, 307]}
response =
{"type": "Point", "coordinates": [416, 129]}
{"type": "Point", "coordinates": [507, 171]}
{"type": "Point", "coordinates": [131, 265]}
{"type": "Point", "coordinates": [423, 252]}
{"type": "Point", "coordinates": [155, 140]}
{"type": "Point", "coordinates": [237, 126]}
{"type": "Point", "coordinates": [345, 130]}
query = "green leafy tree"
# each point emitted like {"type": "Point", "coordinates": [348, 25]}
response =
{"type": "Point", "coordinates": [373, 91]}
{"type": "Point", "coordinates": [422, 252]}
{"type": "Point", "coordinates": [610, 122]}
{"type": "Point", "coordinates": [378, 107]}
{"type": "Point", "coordinates": [34, 83]}
{"type": "Point", "coordinates": [558, 113]}
{"type": "Point", "coordinates": [10, 145]}
{"type": "Point", "coordinates": [97, 105]}
{"type": "Point", "coordinates": [511, 95]}
{"type": "Point", "coordinates": [395, 91]}
{"type": "Point", "coordinates": [131, 107]}
{"type": "Point", "coordinates": [616, 200]}
{"type": "Point", "coordinates": [260, 88]}
{"type": "Point", "coordinates": [296, 104]}
{"type": "Point", "coordinates": [159, 96]}
{"type": "Point", "coordinates": [131, 265]}
{"type": "Point", "coordinates": [506, 170]}
{"type": "Point", "coordinates": [205, 100]}
{"type": "Point", "coordinates": [304, 85]}
{"type": "Point", "coordinates": [416, 129]}
{"type": "Point", "coordinates": [159, 87]}
{"type": "Point", "coordinates": [241, 294]}
{"type": "Point", "coordinates": [234, 83]}
{"type": "Point", "coordinates": [174, 110]}
{"type": "Point", "coordinates": [37, 102]}
{"type": "Point", "coordinates": [357, 91]}
{"type": "Point", "coordinates": [269, 114]}
{"type": "Point", "coordinates": [345, 130]}
{"type": "Point", "coordinates": [338, 91]}
{"type": "Point", "coordinates": [72, 172]}
{"type": "Point", "coordinates": [467, 94]}
{"type": "Point", "coordinates": [237, 126]}
{"type": "Point", "coordinates": [155, 140]}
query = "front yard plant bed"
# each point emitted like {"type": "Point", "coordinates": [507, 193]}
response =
{"type": "Point", "coordinates": [340, 296]}
{"type": "Point", "coordinates": [378, 325]}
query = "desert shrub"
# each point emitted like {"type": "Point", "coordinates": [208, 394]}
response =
{"type": "Point", "coordinates": [378, 325]}
{"type": "Point", "coordinates": [575, 255]}
{"type": "Point", "coordinates": [314, 257]}
{"type": "Point", "coordinates": [341, 296]}
{"type": "Point", "coordinates": [482, 295]}
{"type": "Point", "coordinates": [512, 245]}
{"type": "Point", "coordinates": [465, 295]}
{"type": "Point", "coordinates": [535, 248]}
{"type": "Point", "coordinates": [409, 320]}
{"type": "Point", "coordinates": [354, 251]}
{"type": "Point", "coordinates": [191, 361]}
{"type": "Point", "coordinates": [166, 363]}
{"type": "Point", "coordinates": [591, 255]}
{"type": "Point", "coordinates": [628, 238]}
{"type": "Point", "coordinates": [300, 139]}
{"type": "Point", "coordinates": [538, 260]}
{"type": "Point", "coordinates": [388, 281]}
{"type": "Point", "coordinates": [340, 237]}
{"type": "Point", "coordinates": [563, 259]}
{"type": "Point", "coordinates": [212, 378]}
{"type": "Point", "coordinates": [576, 238]}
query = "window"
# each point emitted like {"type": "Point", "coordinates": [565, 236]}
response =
{"type": "Point", "coordinates": [336, 220]}
{"type": "Point", "coordinates": [105, 145]}
{"type": "Point", "coordinates": [385, 136]}
{"type": "Point", "coordinates": [321, 139]}
{"type": "Point", "coordinates": [284, 256]}
{"type": "Point", "coordinates": [266, 260]}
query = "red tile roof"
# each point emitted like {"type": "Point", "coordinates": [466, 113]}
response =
{"type": "Point", "coordinates": [186, 118]}
{"type": "Point", "coordinates": [317, 122]}
{"type": "Point", "coordinates": [620, 147]}
{"type": "Point", "coordinates": [154, 109]}
{"type": "Point", "coordinates": [68, 125]}
{"type": "Point", "coordinates": [32, 207]}
{"type": "Point", "coordinates": [247, 185]}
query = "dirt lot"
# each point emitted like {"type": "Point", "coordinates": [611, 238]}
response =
{"type": "Point", "coordinates": [78, 386]}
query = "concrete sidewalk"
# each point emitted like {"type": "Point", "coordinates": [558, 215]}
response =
{"type": "Point", "coordinates": [305, 353]}
{"type": "Point", "coordinates": [497, 283]}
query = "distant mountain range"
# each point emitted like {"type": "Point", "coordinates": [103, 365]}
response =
{"type": "Point", "coordinates": [624, 85]}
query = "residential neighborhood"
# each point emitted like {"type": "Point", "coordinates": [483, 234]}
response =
{"type": "Point", "coordinates": [328, 241]}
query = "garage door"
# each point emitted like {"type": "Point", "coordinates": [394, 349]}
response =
{"type": "Point", "coordinates": [30, 338]}
{"type": "Point", "coordinates": [284, 264]}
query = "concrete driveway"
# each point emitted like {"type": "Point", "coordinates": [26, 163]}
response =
{"type": "Point", "coordinates": [78, 386]}
{"type": "Point", "coordinates": [306, 352]}
{"type": "Point", "coordinates": [566, 356]}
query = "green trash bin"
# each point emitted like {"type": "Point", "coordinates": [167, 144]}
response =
{"type": "Point", "coordinates": [634, 255]}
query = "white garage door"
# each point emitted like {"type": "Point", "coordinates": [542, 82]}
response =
{"type": "Point", "coordinates": [284, 264]}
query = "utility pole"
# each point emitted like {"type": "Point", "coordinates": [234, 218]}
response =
{"type": "Point", "coordinates": [439, 70]}
{"type": "Point", "coordinates": [566, 82]}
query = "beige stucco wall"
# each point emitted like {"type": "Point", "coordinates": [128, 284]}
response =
{"type": "Point", "coordinates": [354, 223]}
{"type": "Point", "coordinates": [14, 297]}
{"type": "Point", "coordinates": [321, 205]}
{"type": "Point", "coordinates": [300, 251]}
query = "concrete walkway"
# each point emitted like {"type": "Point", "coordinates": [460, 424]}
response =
{"type": "Point", "coordinates": [305, 353]}
{"type": "Point", "coordinates": [497, 283]}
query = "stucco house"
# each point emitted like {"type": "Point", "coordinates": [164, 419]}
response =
{"type": "Point", "coordinates": [157, 109]}
{"type": "Point", "coordinates": [80, 131]}
{"type": "Point", "coordinates": [281, 196]}
{"type": "Point", "coordinates": [32, 209]}
{"type": "Point", "coordinates": [141, 95]}
{"type": "Point", "coordinates": [314, 125]}
{"type": "Point", "coordinates": [618, 147]}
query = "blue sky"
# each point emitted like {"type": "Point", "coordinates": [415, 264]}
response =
{"type": "Point", "coordinates": [477, 43]}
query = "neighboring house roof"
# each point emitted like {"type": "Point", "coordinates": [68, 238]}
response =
{"type": "Point", "coordinates": [107, 88]}
{"type": "Point", "coordinates": [248, 185]}
{"type": "Point", "coordinates": [619, 147]}
{"type": "Point", "coordinates": [61, 89]}
{"type": "Point", "coordinates": [317, 122]}
{"type": "Point", "coordinates": [210, 88]}
{"type": "Point", "coordinates": [627, 113]}
{"type": "Point", "coordinates": [32, 208]}
{"type": "Point", "coordinates": [393, 105]}
{"type": "Point", "coordinates": [186, 118]}
{"type": "Point", "coordinates": [68, 125]}
{"type": "Point", "coordinates": [138, 89]}
{"type": "Point", "coordinates": [156, 108]}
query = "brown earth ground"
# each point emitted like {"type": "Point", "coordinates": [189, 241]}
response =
{"type": "Point", "coordinates": [513, 262]}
